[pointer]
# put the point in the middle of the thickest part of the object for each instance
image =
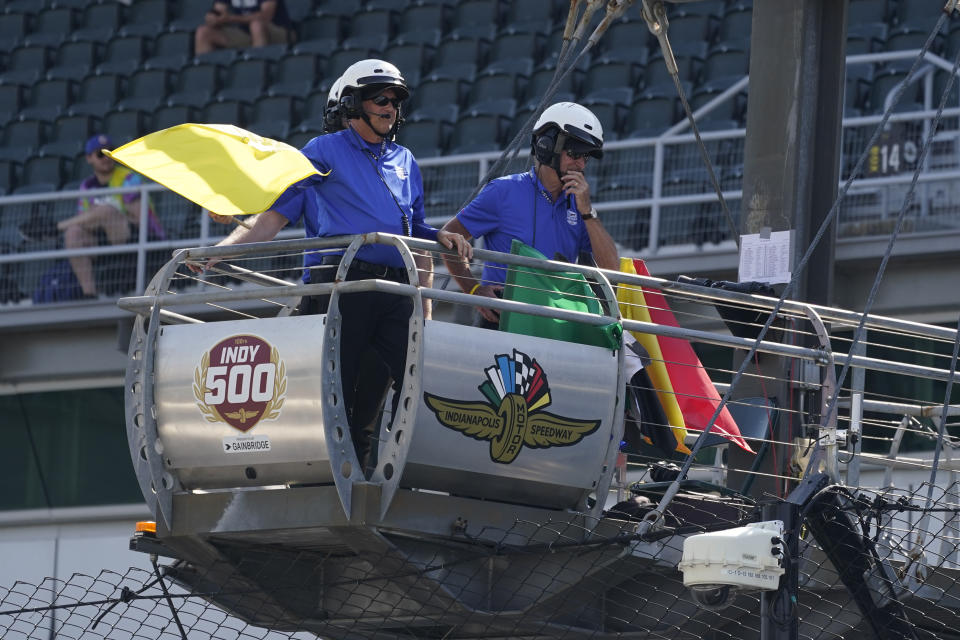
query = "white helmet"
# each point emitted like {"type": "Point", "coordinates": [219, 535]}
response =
{"type": "Point", "coordinates": [331, 114]}
{"type": "Point", "coordinates": [372, 74]}
{"type": "Point", "coordinates": [576, 126]}
{"type": "Point", "coordinates": [334, 96]}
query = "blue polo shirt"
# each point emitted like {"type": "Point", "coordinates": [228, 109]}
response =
{"type": "Point", "coordinates": [518, 206]}
{"type": "Point", "coordinates": [353, 199]}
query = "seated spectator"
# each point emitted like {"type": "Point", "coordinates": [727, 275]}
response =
{"type": "Point", "coordinates": [117, 216]}
{"type": "Point", "coordinates": [243, 23]}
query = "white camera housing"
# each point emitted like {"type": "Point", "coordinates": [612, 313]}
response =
{"type": "Point", "coordinates": [716, 564]}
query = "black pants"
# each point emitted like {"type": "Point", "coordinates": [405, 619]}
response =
{"type": "Point", "coordinates": [373, 348]}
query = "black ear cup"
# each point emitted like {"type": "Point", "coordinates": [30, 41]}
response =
{"type": "Point", "coordinates": [543, 147]}
{"type": "Point", "coordinates": [349, 106]}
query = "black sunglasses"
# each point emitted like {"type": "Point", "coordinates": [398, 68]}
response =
{"type": "Point", "coordinates": [382, 101]}
{"type": "Point", "coordinates": [575, 155]}
{"type": "Point", "coordinates": [101, 154]}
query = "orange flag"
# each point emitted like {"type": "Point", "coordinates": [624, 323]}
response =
{"type": "Point", "coordinates": [696, 395]}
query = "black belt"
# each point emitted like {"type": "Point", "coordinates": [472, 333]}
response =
{"type": "Point", "coordinates": [369, 269]}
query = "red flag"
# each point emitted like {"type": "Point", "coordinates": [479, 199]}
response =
{"type": "Point", "coordinates": [696, 395]}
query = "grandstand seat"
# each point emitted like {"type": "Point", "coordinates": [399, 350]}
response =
{"type": "Point", "coordinates": [541, 78]}
{"type": "Point", "coordinates": [12, 28]}
{"type": "Point", "coordinates": [866, 37]}
{"type": "Point", "coordinates": [391, 5]}
{"type": "Point", "coordinates": [52, 26]}
{"type": "Point", "coordinates": [22, 138]}
{"type": "Point", "coordinates": [338, 62]}
{"type": "Point", "coordinates": [314, 107]}
{"type": "Point", "coordinates": [608, 74]}
{"type": "Point", "coordinates": [301, 135]}
{"type": "Point", "coordinates": [506, 107]}
{"type": "Point", "coordinates": [195, 85]}
{"type": "Point", "coordinates": [244, 80]}
{"type": "Point", "coordinates": [691, 23]}
{"type": "Point", "coordinates": [275, 113]}
{"type": "Point", "coordinates": [74, 60]}
{"type": "Point", "coordinates": [530, 16]}
{"type": "Point", "coordinates": [145, 17]}
{"type": "Point", "coordinates": [225, 112]}
{"type": "Point", "coordinates": [340, 7]}
{"type": "Point", "coordinates": [370, 42]}
{"type": "Point", "coordinates": [294, 75]}
{"type": "Point", "coordinates": [43, 173]}
{"type": "Point", "coordinates": [68, 135]}
{"type": "Point", "coordinates": [171, 116]}
{"type": "Point", "coordinates": [610, 115]}
{"type": "Point", "coordinates": [921, 13]}
{"type": "Point", "coordinates": [11, 96]}
{"type": "Point", "coordinates": [737, 21]}
{"type": "Point", "coordinates": [651, 114]}
{"type": "Point", "coordinates": [443, 112]}
{"type": "Point", "coordinates": [462, 50]}
{"type": "Point", "coordinates": [864, 11]}
{"type": "Point", "coordinates": [218, 57]}
{"type": "Point", "coordinates": [125, 125]}
{"type": "Point", "coordinates": [26, 64]}
{"type": "Point", "coordinates": [727, 59]}
{"type": "Point", "coordinates": [171, 51]}
{"type": "Point", "coordinates": [885, 80]}
{"type": "Point", "coordinates": [47, 99]}
{"type": "Point", "coordinates": [731, 109]}
{"type": "Point", "coordinates": [491, 86]}
{"type": "Point", "coordinates": [187, 15]}
{"type": "Point", "coordinates": [469, 13]}
{"type": "Point", "coordinates": [438, 91]}
{"type": "Point", "coordinates": [689, 65]}
{"type": "Point", "coordinates": [96, 94]}
{"type": "Point", "coordinates": [321, 27]}
{"type": "Point", "coordinates": [423, 16]}
{"type": "Point", "coordinates": [145, 89]}
{"type": "Point", "coordinates": [425, 138]}
{"type": "Point", "coordinates": [911, 36]}
{"type": "Point", "coordinates": [628, 35]}
{"type": "Point", "coordinates": [180, 217]}
{"type": "Point", "coordinates": [511, 45]}
{"type": "Point", "coordinates": [298, 9]}
{"type": "Point", "coordinates": [411, 59]}
{"type": "Point", "coordinates": [99, 21]}
{"type": "Point", "coordinates": [480, 132]}
{"type": "Point", "coordinates": [379, 22]}
{"type": "Point", "coordinates": [270, 52]}
{"type": "Point", "coordinates": [428, 37]}
{"type": "Point", "coordinates": [124, 55]}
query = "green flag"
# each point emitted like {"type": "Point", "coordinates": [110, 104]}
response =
{"type": "Point", "coordinates": [559, 290]}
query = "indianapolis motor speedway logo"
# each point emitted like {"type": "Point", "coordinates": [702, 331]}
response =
{"type": "Point", "coordinates": [517, 393]}
{"type": "Point", "coordinates": [241, 381]}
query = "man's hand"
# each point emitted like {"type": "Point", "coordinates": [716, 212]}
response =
{"type": "Point", "coordinates": [575, 184]}
{"type": "Point", "coordinates": [455, 241]}
{"type": "Point", "coordinates": [489, 291]}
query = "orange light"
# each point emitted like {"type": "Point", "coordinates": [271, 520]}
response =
{"type": "Point", "coordinates": [146, 526]}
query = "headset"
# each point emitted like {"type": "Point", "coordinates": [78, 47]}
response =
{"type": "Point", "coordinates": [548, 146]}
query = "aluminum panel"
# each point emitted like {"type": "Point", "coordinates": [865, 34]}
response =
{"type": "Point", "coordinates": [553, 456]}
{"type": "Point", "coordinates": [238, 402]}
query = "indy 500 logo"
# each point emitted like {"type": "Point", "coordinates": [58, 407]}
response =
{"type": "Point", "coordinates": [240, 381]}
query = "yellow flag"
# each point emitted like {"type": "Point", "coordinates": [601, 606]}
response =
{"type": "Point", "coordinates": [633, 306]}
{"type": "Point", "coordinates": [223, 168]}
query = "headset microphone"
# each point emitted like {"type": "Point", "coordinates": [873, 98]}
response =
{"type": "Point", "coordinates": [385, 116]}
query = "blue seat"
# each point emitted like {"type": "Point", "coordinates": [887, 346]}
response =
{"type": "Point", "coordinates": [47, 99]}
{"type": "Point", "coordinates": [517, 44]}
{"type": "Point", "coordinates": [244, 80]}
{"type": "Point", "coordinates": [737, 21]}
{"type": "Point", "coordinates": [125, 125]}
{"type": "Point", "coordinates": [145, 17]}
{"type": "Point", "coordinates": [492, 86]}
{"type": "Point", "coordinates": [380, 22]}
{"type": "Point", "coordinates": [861, 11]}
{"type": "Point", "coordinates": [171, 51]}
{"type": "Point", "coordinates": [225, 112]}
{"type": "Point", "coordinates": [171, 116]}
{"type": "Point", "coordinates": [650, 115]}
{"type": "Point", "coordinates": [42, 173]}
{"type": "Point", "coordinates": [74, 60]}
{"type": "Point", "coordinates": [469, 13]}
{"type": "Point", "coordinates": [11, 96]}
{"type": "Point", "coordinates": [423, 16]}
{"type": "Point", "coordinates": [26, 64]}
{"type": "Point", "coordinates": [99, 21]}
{"type": "Point", "coordinates": [425, 138]}
{"type": "Point", "coordinates": [320, 27]}
{"type": "Point", "coordinates": [12, 28]}
{"type": "Point", "coordinates": [480, 132]}
{"type": "Point", "coordinates": [462, 50]}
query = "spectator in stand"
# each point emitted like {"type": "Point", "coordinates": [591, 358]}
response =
{"type": "Point", "coordinates": [117, 216]}
{"type": "Point", "coordinates": [243, 23]}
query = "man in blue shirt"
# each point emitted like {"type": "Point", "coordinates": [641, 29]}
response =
{"type": "Point", "coordinates": [370, 184]}
{"type": "Point", "coordinates": [548, 207]}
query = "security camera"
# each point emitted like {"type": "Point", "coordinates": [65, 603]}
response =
{"type": "Point", "coordinates": [717, 564]}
